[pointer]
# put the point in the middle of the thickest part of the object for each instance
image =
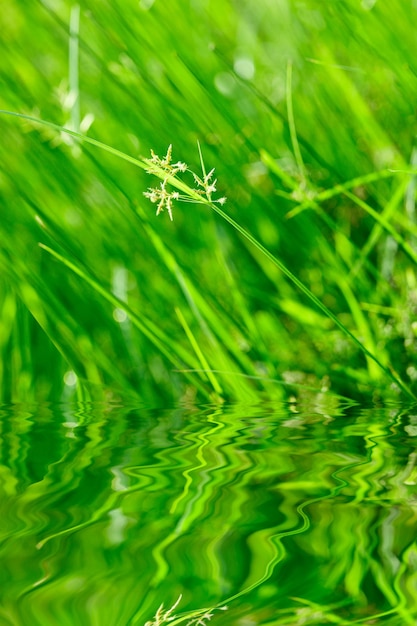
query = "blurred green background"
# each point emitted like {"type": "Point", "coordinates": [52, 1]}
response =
{"type": "Point", "coordinates": [291, 101]}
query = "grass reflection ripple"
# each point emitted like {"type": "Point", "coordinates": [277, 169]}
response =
{"type": "Point", "coordinates": [130, 515]}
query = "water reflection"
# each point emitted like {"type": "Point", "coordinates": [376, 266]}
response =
{"type": "Point", "coordinates": [285, 516]}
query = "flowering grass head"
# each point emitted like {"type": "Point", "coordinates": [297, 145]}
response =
{"type": "Point", "coordinates": [163, 197]}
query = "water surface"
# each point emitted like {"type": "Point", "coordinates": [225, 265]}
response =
{"type": "Point", "coordinates": [286, 515]}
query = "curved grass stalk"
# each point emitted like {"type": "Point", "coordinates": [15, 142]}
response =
{"type": "Point", "coordinates": [141, 163]}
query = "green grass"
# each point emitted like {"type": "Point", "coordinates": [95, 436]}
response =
{"type": "Point", "coordinates": [305, 278]}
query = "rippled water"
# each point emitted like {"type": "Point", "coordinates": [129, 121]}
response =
{"type": "Point", "coordinates": [286, 516]}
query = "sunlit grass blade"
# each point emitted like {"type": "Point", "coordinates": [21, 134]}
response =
{"type": "Point", "coordinates": [210, 375]}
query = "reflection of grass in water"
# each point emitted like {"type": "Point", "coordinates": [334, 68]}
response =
{"type": "Point", "coordinates": [191, 618]}
{"type": "Point", "coordinates": [339, 548]}
{"type": "Point", "coordinates": [353, 532]}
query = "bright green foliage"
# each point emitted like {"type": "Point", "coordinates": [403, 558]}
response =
{"type": "Point", "coordinates": [305, 277]}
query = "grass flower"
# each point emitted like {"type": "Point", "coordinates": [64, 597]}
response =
{"type": "Point", "coordinates": [164, 168]}
{"type": "Point", "coordinates": [171, 169]}
{"type": "Point", "coordinates": [162, 197]}
{"type": "Point", "coordinates": [163, 617]}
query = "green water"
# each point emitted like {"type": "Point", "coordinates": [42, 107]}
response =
{"type": "Point", "coordinates": [286, 515]}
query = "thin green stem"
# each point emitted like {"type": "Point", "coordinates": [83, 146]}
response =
{"type": "Point", "coordinates": [304, 289]}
